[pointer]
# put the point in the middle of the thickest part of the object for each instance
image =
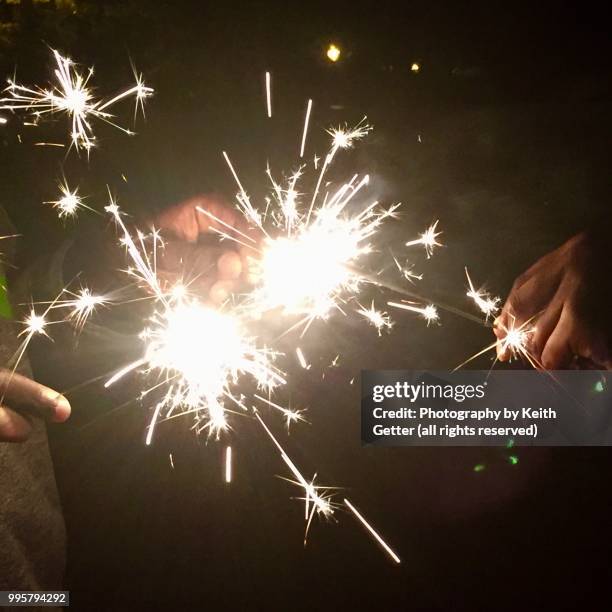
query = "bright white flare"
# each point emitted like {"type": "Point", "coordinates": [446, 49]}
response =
{"type": "Point", "coordinates": [201, 353]}
{"type": "Point", "coordinates": [196, 352]}
{"type": "Point", "coordinates": [71, 95]}
{"type": "Point", "coordinates": [305, 262]}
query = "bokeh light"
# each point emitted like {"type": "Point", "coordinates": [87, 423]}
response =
{"type": "Point", "coordinates": [333, 53]}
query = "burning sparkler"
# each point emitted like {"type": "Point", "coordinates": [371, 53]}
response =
{"type": "Point", "coordinates": [306, 259]}
{"type": "Point", "coordinates": [515, 343]}
{"type": "Point", "coordinates": [197, 353]}
{"type": "Point", "coordinates": [71, 95]}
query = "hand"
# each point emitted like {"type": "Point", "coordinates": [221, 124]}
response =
{"type": "Point", "coordinates": [21, 397]}
{"type": "Point", "coordinates": [567, 296]}
{"type": "Point", "coordinates": [217, 270]}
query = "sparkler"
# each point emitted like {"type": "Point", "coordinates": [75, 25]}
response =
{"type": "Point", "coordinates": [306, 259]}
{"type": "Point", "coordinates": [197, 353]}
{"type": "Point", "coordinates": [514, 343]}
{"type": "Point", "coordinates": [71, 95]}
{"type": "Point", "coordinates": [307, 264]}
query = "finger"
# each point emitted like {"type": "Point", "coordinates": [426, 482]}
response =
{"type": "Point", "coordinates": [188, 260]}
{"type": "Point", "coordinates": [592, 346]}
{"type": "Point", "coordinates": [181, 220]}
{"type": "Point", "coordinates": [229, 266]}
{"type": "Point", "coordinates": [557, 353]}
{"type": "Point", "coordinates": [544, 327]}
{"type": "Point", "coordinates": [14, 427]}
{"type": "Point", "coordinates": [21, 392]}
{"type": "Point", "coordinates": [221, 291]}
{"type": "Point", "coordinates": [219, 217]}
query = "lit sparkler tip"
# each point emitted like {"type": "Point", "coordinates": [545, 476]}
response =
{"type": "Point", "coordinates": [517, 339]}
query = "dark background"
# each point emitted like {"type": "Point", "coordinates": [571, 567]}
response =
{"type": "Point", "coordinates": [503, 135]}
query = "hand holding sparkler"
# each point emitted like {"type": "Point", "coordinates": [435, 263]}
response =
{"type": "Point", "coordinates": [567, 296]}
{"type": "Point", "coordinates": [213, 270]}
{"type": "Point", "coordinates": [21, 397]}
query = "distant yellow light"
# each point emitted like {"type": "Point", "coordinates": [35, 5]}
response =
{"type": "Point", "coordinates": [415, 68]}
{"type": "Point", "coordinates": [333, 53]}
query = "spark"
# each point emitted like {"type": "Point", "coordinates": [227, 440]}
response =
{"type": "Point", "coordinates": [291, 416]}
{"type": "Point", "coordinates": [305, 131]}
{"type": "Point", "coordinates": [428, 239]}
{"type": "Point", "coordinates": [83, 305]}
{"type": "Point", "coordinates": [269, 94]}
{"type": "Point", "coordinates": [428, 312]}
{"type": "Point", "coordinates": [371, 529]}
{"type": "Point", "coordinates": [69, 202]}
{"type": "Point", "coordinates": [171, 460]}
{"type": "Point", "coordinates": [318, 499]}
{"type": "Point", "coordinates": [415, 68]}
{"type": "Point", "coordinates": [228, 464]}
{"type": "Point", "coordinates": [34, 324]}
{"type": "Point", "coordinates": [344, 138]}
{"type": "Point", "coordinates": [488, 305]}
{"type": "Point", "coordinates": [302, 359]}
{"type": "Point", "coordinates": [379, 319]}
{"type": "Point", "coordinates": [407, 271]}
{"type": "Point", "coordinates": [71, 95]}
